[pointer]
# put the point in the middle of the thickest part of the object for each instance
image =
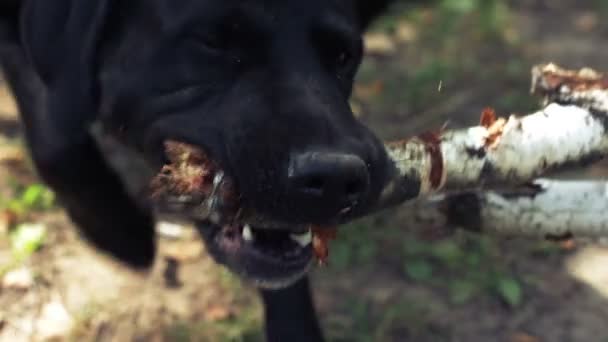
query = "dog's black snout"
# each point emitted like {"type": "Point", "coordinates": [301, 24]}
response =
{"type": "Point", "coordinates": [334, 181]}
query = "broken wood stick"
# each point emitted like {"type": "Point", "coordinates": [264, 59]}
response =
{"type": "Point", "coordinates": [570, 132]}
{"type": "Point", "coordinates": [544, 208]}
{"type": "Point", "coordinates": [461, 175]}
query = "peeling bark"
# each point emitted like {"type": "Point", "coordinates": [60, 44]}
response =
{"type": "Point", "coordinates": [506, 152]}
{"type": "Point", "coordinates": [545, 208]}
{"type": "Point", "coordinates": [570, 131]}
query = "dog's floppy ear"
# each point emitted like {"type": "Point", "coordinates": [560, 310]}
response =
{"type": "Point", "coordinates": [61, 37]}
{"type": "Point", "coordinates": [61, 40]}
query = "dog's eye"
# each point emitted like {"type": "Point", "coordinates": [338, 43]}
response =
{"type": "Point", "coordinates": [343, 59]}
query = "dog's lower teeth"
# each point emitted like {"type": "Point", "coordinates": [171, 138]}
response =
{"type": "Point", "coordinates": [303, 239]}
{"type": "Point", "coordinates": [247, 233]}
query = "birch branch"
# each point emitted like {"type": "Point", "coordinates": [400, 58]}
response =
{"type": "Point", "coordinates": [508, 152]}
{"type": "Point", "coordinates": [569, 131]}
{"type": "Point", "coordinates": [545, 208]}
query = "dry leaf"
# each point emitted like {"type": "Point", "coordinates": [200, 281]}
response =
{"type": "Point", "coordinates": [524, 337]}
{"type": "Point", "coordinates": [217, 312]}
{"type": "Point", "coordinates": [321, 236]}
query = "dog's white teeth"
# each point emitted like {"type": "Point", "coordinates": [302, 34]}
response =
{"type": "Point", "coordinates": [247, 233]}
{"type": "Point", "coordinates": [303, 239]}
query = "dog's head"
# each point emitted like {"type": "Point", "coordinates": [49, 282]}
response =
{"type": "Point", "coordinates": [262, 87]}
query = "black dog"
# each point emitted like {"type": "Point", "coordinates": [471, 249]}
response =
{"type": "Point", "coordinates": [262, 86]}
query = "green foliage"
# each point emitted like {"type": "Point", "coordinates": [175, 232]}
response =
{"type": "Point", "coordinates": [37, 196]}
{"type": "Point", "coordinates": [419, 270]}
{"type": "Point", "coordinates": [602, 8]}
{"type": "Point", "coordinates": [412, 313]}
{"type": "Point", "coordinates": [244, 327]}
{"type": "Point", "coordinates": [25, 239]}
{"type": "Point", "coordinates": [467, 266]}
{"type": "Point", "coordinates": [462, 290]}
{"type": "Point", "coordinates": [179, 332]}
{"type": "Point", "coordinates": [33, 197]}
{"type": "Point", "coordinates": [423, 82]}
{"type": "Point", "coordinates": [353, 247]}
{"type": "Point", "coordinates": [510, 291]}
{"type": "Point", "coordinates": [342, 255]}
{"type": "Point", "coordinates": [489, 16]}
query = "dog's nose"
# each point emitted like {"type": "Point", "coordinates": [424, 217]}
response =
{"type": "Point", "coordinates": [328, 181]}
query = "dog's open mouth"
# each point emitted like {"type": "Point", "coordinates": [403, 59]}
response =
{"type": "Point", "coordinates": [192, 186]}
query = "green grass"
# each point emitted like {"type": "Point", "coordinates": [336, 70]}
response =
{"type": "Point", "coordinates": [246, 327]}
{"type": "Point", "coordinates": [460, 269]}
{"type": "Point", "coordinates": [25, 237]}
{"type": "Point", "coordinates": [466, 266]}
{"type": "Point", "coordinates": [28, 198]}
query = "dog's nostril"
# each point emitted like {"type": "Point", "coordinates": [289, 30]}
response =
{"type": "Point", "coordinates": [330, 180]}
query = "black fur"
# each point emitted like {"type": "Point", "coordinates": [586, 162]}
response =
{"type": "Point", "coordinates": [253, 82]}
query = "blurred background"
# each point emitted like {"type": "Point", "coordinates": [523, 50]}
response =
{"type": "Point", "coordinates": [387, 281]}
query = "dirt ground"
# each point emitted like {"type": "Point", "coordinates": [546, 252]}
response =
{"type": "Point", "coordinates": [426, 67]}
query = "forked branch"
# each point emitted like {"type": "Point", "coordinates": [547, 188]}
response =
{"type": "Point", "coordinates": [468, 167]}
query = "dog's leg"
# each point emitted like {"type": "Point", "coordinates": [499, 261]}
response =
{"type": "Point", "coordinates": [290, 314]}
{"type": "Point", "coordinates": [69, 161]}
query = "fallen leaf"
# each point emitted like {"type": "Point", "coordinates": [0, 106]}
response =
{"type": "Point", "coordinates": [184, 251]}
{"type": "Point", "coordinates": [587, 22]}
{"type": "Point", "coordinates": [367, 91]}
{"type": "Point", "coordinates": [379, 44]}
{"type": "Point", "coordinates": [26, 239]}
{"type": "Point", "coordinates": [8, 106]}
{"type": "Point", "coordinates": [568, 244]}
{"type": "Point", "coordinates": [8, 218]}
{"type": "Point", "coordinates": [19, 279]}
{"type": "Point", "coordinates": [216, 313]}
{"type": "Point", "coordinates": [406, 32]}
{"type": "Point", "coordinates": [510, 291]}
{"type": "Point", "coordinates": [524, 337]}
{"type": "Point", "coordinates": [54, 323]}
{"type": "Point", "coordinates": [12, 155]}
